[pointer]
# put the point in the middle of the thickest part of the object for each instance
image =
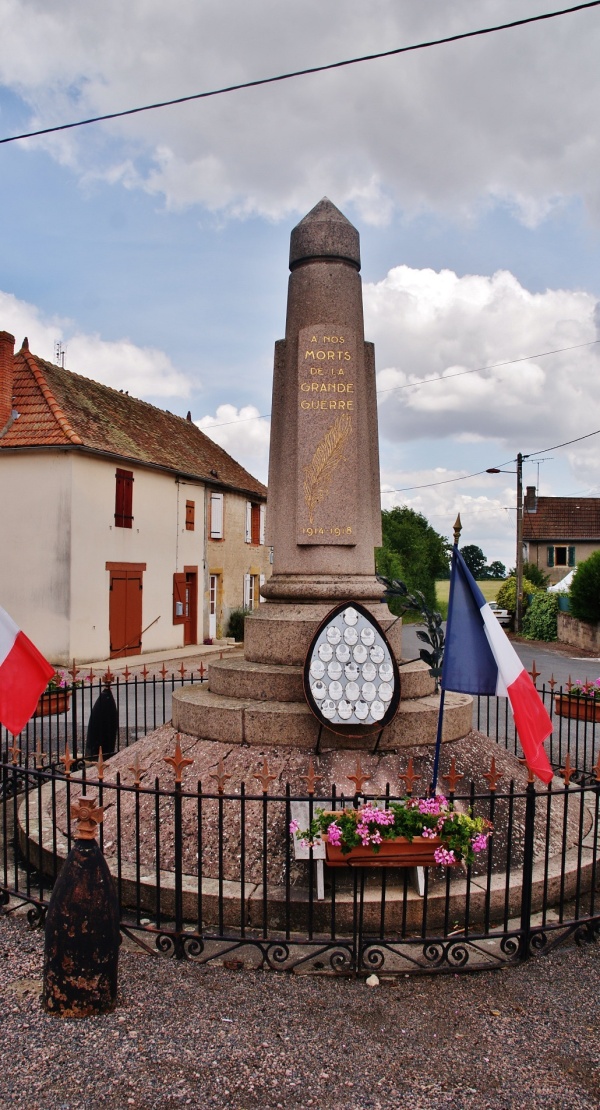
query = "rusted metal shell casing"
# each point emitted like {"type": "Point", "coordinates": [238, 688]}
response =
{"type": "Point", "coordinates": [82, 937]}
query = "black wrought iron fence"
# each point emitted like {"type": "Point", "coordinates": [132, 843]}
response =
{"type": "Point", "coordinates": [215, 875]}
{"type": "Point", "coordinates": [143, 703]}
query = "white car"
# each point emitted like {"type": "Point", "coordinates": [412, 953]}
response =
{"type": "Point", "coordinates": [502, 615]}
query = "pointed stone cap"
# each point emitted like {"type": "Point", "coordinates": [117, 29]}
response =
{"type": "Point", "coordinates": [324, 233]}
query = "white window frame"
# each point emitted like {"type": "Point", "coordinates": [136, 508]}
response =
{"type": "Point", "coordinates": [248, 522]}
{"type": "Point", "coordinates": [216, 516]}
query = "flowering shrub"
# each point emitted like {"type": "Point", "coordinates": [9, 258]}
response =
{"type": "Point", "coordinates": [585, 689]}
{"type": "Point", "coordinates": [462, 835]}
{"type": "Point", "coordinates": [61, 680]}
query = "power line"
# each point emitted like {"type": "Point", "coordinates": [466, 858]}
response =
{"type": "Point", "coordinates": [303, 72]}
{"type": "Point", "coordinates": [492, 366]}
{"type": "Point", "coordinates": [437, 378]}
{"type": "Point", "coordinates": [464, 477]}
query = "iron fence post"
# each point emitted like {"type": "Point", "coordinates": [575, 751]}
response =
{"type": "Point", "coordinates": [528, 846]}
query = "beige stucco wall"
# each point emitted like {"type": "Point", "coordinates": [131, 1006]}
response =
{"type": "Point", "coordinates": [35, 540]}
{"type": "Point", "coordinates": [538, 553]}
{"type": "Point", "coordinates": [158, 538]}
{"type": "Point", "coordinates": [58, 533]}
{"type": "Point", "coordinates": [231, 558]}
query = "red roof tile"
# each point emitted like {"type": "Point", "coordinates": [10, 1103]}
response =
{"type": "Point", "coordinates": [60, 409]}
{"type": "Point", "coordinates": [563, 518]}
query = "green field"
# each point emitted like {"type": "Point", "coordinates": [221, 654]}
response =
{"type": "Point", "coordinates": [488, 588]}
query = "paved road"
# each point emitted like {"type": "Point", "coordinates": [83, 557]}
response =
{"type": "Point", "coordinates": [550, 660]}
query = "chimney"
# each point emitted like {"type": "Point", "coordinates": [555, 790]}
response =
{"type": "Point", "coordinates": [530, 500]}
{"type": "Point", "coordinates": [7, 354]}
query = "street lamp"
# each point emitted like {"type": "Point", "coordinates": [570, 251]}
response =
{"type": "Point", "coordinates": [519, 561]}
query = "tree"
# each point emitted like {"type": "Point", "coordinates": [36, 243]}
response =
{"type": "Point", "coordinates": [412, 551]}
{"type": "Point", "coordinates": [533, 573]}
{"type": "Point", "coordinates": [496, 570]}
{"type": "Point", "coordinates": [475, 559]}
{"type": "Point", "coordinates": [584, 594]}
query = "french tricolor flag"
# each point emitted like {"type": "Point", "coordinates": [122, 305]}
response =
{"type": "Point", "coordinates": [24, 675]}
{"type": "Point", "coordinates": [480, 659]}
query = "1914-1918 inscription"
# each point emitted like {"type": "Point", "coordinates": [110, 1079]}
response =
{"type": "Point", "coordinates": [327, 454]}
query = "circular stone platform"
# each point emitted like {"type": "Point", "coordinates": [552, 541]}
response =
{"type": "Point", "coordinates": [287, 766]}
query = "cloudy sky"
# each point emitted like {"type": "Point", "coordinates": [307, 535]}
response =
{"type": "Point", "coordinates": [154, 248]}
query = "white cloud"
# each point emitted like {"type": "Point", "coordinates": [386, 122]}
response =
{"type": "Point", "coordinates": [427, 325]}
{"type": "Point", "coordinates": [243, 434]}
{"type": "Point", "coordinates": [507, 119]}
{"type": "Point", "coordinates": [143, 371]}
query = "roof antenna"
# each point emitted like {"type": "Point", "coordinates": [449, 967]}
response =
{"type": "Point", "coordinates": [59, 353]}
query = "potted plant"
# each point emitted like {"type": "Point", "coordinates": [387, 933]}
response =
{"type": "Point", "coordinates": [582, 701]}
{"type": "Point", "coordinates": [413, 832]}
{"type": "Point", "coordinates": [57, 695]}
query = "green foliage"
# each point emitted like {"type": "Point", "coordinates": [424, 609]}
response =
{"type": "Point", "coordinates": [235, 626]}
{"type": "Point", "coordinates": [539, 622]}
{"type": "Point", "coordinates": [507, 594]}
{"type": "Point", "coordinates": [584, 594]}
{"type": "Point", "coordinates": [461, 834]}
{"type": "Point", "coordinates": [412, 551]}
{"type": "Point", "coordinates": [475, 560]}
{"type": "Point", "coordinates": [396, 590]}
{"type": "Point", "coordinates": [496, 570]}
{"type": "Point", "coordinates": [535, 575]}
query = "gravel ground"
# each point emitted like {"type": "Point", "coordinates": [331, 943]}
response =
{"type": "Point", "coordinates": [184, 1035]}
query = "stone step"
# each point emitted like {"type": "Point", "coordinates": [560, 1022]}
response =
{"type": "Point", "coordinates": [198, 711]}
{"type": "Point", "coordinates": [240, 678]}
{"type": "Point", "coordinates": [275, 631]}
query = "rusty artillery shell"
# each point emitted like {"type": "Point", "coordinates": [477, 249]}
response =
{"type": "Point", "coordinates": [82, 937]}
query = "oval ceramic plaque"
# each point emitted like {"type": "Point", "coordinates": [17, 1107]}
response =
{"type": "Point", "coordinates": [357, 691]}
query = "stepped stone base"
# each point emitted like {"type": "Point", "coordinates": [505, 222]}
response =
{"type": "Point", "coordinates": [198, 711]}
{"type": "Point", "coordinates": [258, 698]}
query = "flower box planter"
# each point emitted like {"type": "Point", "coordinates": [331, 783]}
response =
{"type": "Point", "coordinates": [399, 852]}
{"type": "Point", "coordinates": [577, 707]}
{"type": "Point", "coordinates": [57, 701]}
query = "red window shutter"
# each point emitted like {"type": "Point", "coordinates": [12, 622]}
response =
{"type": "Point", "coordinates": [255, 524]}
{"type": "Point", "coordinates": [190, 515]}
{"type": "Point", "coordinates": [124, 498]}
{"type": "Point", "coordinates": [178, 598]}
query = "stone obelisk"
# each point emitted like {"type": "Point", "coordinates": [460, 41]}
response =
{"type": "Point", "coordinates": [323, 518]}
{"type": "Point", "coordinates": [324, 508]}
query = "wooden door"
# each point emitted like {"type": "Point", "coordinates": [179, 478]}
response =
{"type": "Point", "coordinates": [125, 611]}
{"type": "Point", "coordinates": [190, 608]}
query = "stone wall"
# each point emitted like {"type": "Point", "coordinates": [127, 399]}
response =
{"type": "Point", "coordinates": [582, 634]}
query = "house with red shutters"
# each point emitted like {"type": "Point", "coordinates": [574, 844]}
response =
{"type": "Point", "coordinates": [125, 529]}
{"type": "Point", "coordinates": [559, 532]}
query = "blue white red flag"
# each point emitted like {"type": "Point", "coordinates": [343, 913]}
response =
{"type": "Point", "coordinates": [480, 659]}
{"type": "Point", "coordinates": [24, 675]}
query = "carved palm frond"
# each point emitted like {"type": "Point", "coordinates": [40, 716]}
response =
{"type": "Point", "coordinates": [328, 455]}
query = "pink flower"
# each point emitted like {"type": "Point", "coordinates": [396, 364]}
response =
{"type": "Point", "coordinates": [479, 843]}
{"type": "Point", "coordinates": [429, 833]}
{"type": "Point", "coordinates": [376, 838]}
{"type": "Point", "coordinates": [294, 826]}
{"type": "Point", "coordinates": [444, 857]}
{"type": "Point", "coordinates": [335, 834]}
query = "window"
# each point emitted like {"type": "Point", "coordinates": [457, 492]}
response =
{"type": "Point", "coordinates": [560, 556]}
{"type": "Point", "coordinates": [250, 591]}
{"type": "Point", "coordinates": [190, 514]}
{"type": "Point", "coordinates": [123, 498]}
{"type": "Point", "coordinates": [255, 523]}
{"type": "Point", "coordinates": [216, 516]}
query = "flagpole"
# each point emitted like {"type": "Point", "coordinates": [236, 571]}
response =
{"type": "Point", "coordinates": [440, 724]}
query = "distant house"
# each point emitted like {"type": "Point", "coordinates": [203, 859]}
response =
{"type": "Point", "coordinates": [125, 529]}
{"type": "Point", "coordinates": [560, 532]}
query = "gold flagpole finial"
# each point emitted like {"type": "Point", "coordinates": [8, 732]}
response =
{"type": "Point", "coordinates": [457, 529]}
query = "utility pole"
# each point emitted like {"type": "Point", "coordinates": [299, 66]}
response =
{"type": "Point", "coordinates": [519, 560]}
